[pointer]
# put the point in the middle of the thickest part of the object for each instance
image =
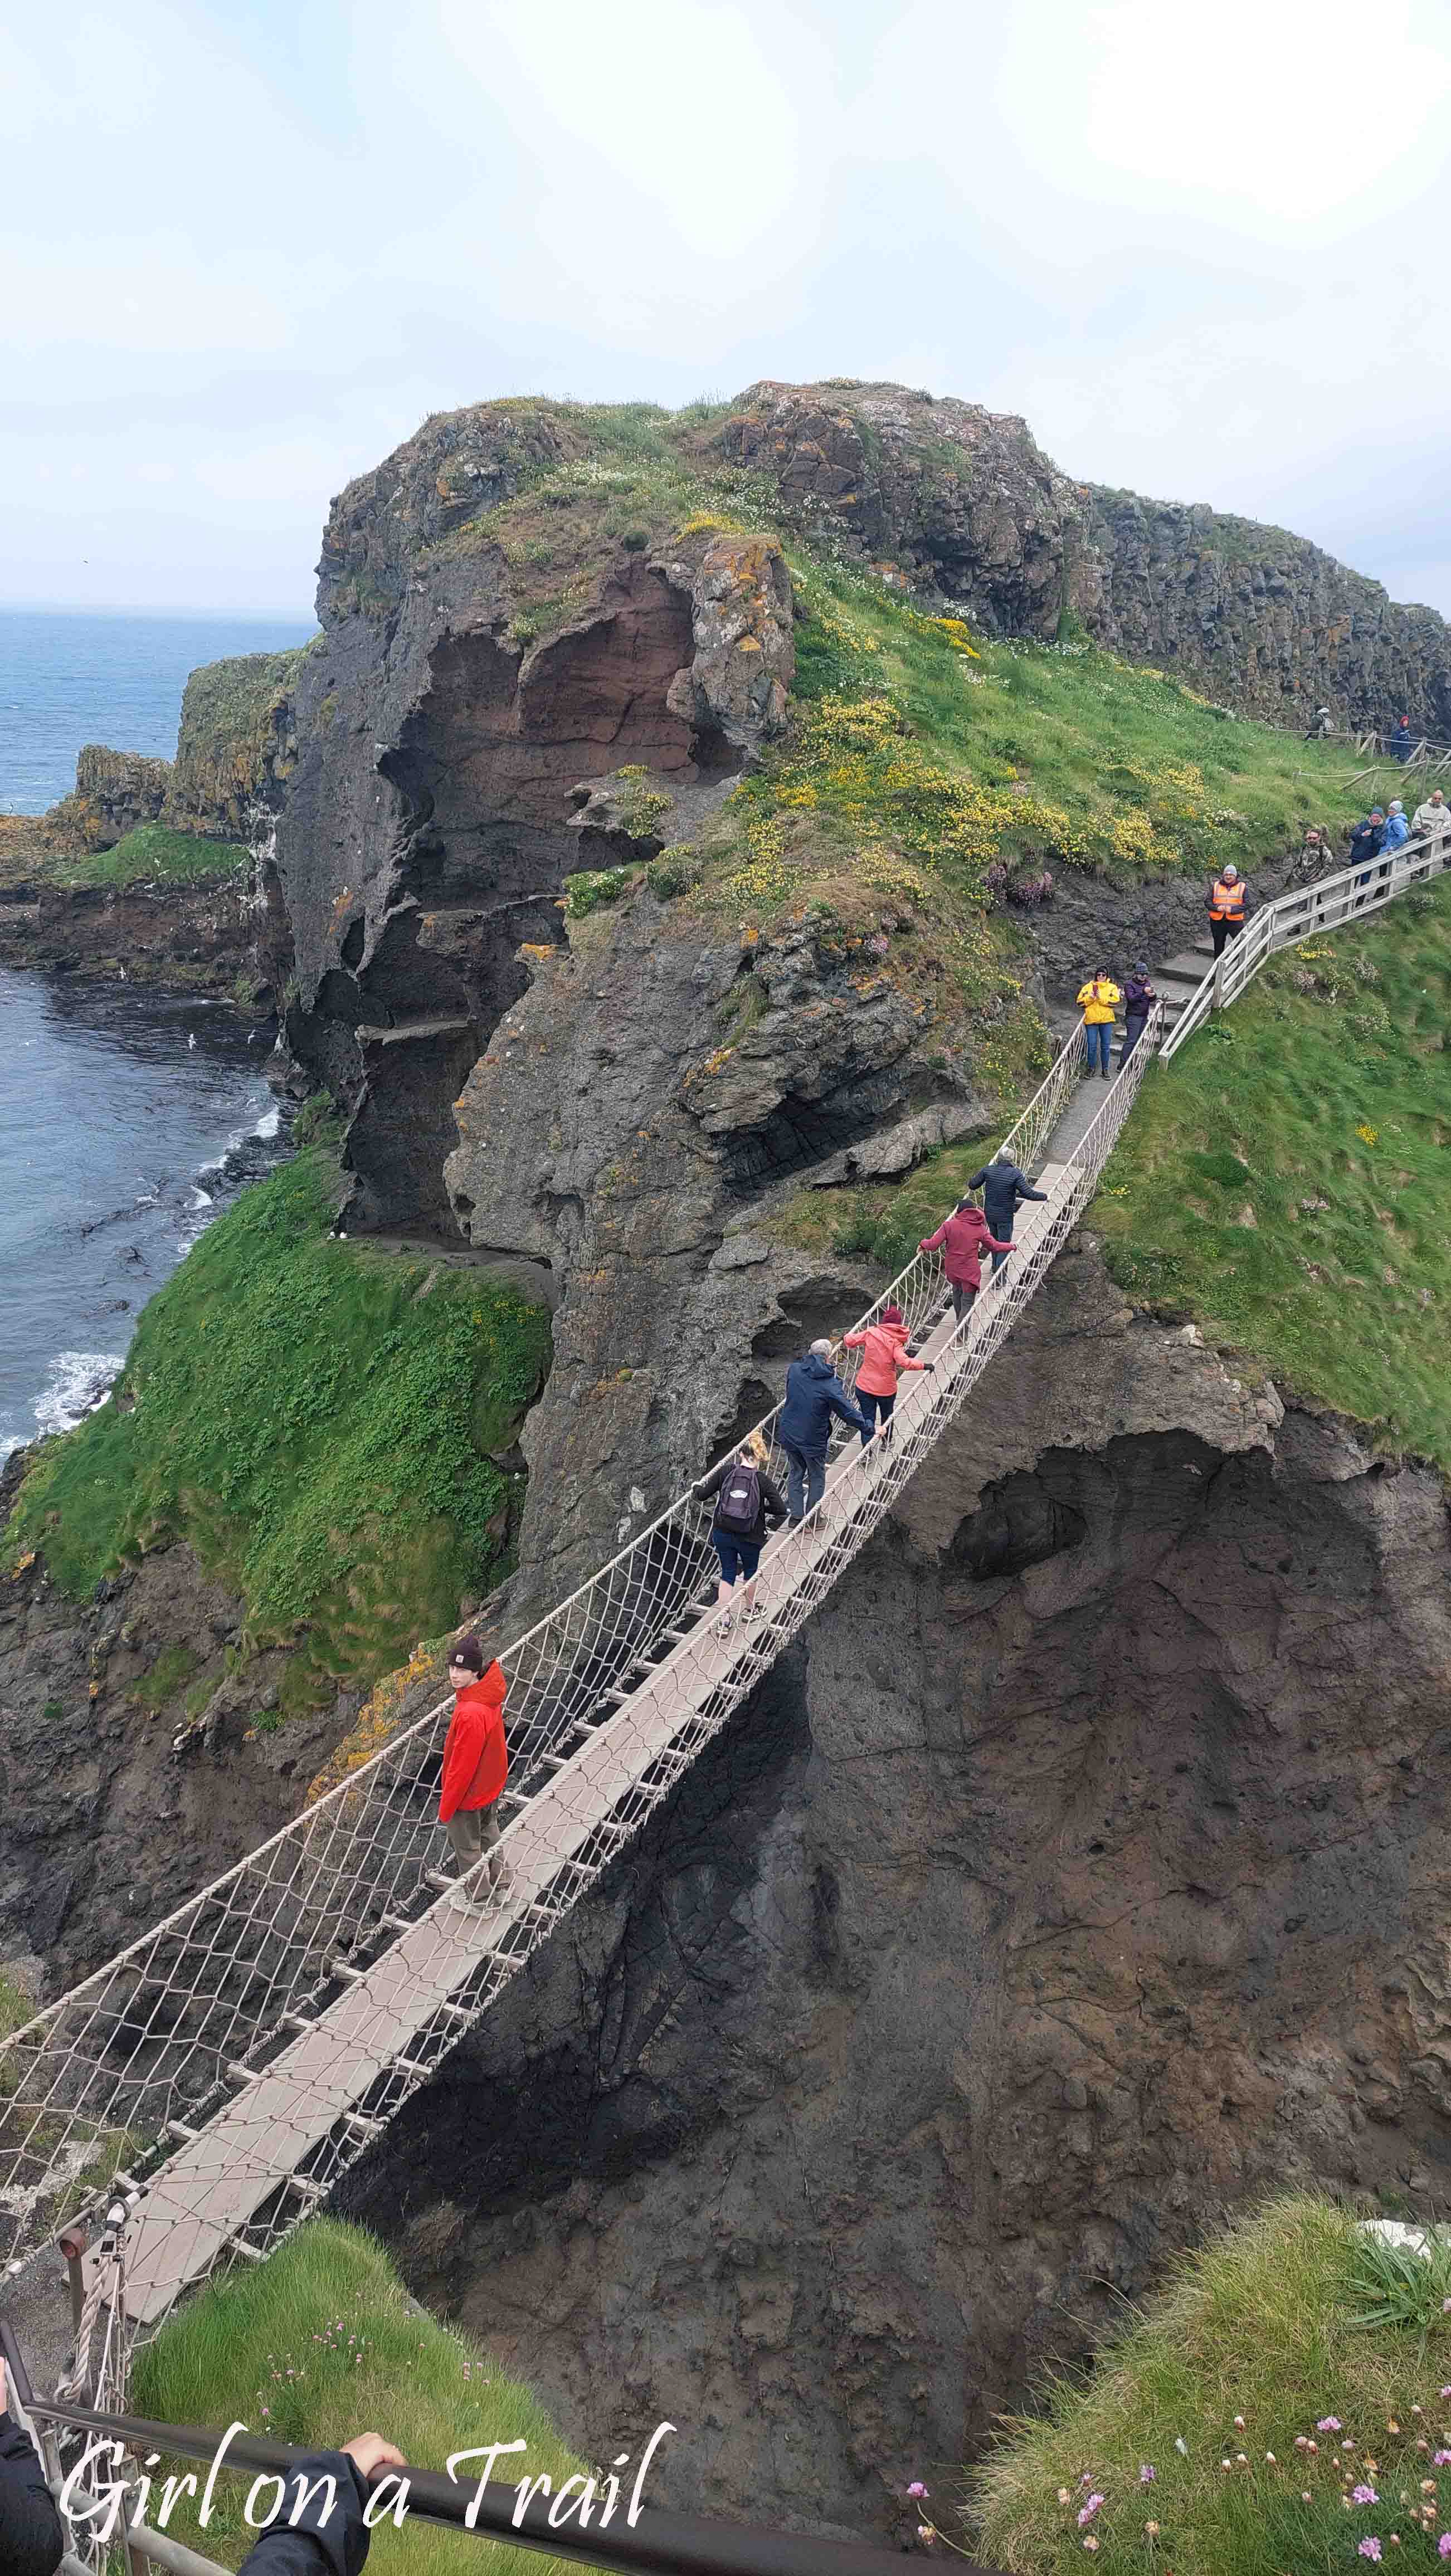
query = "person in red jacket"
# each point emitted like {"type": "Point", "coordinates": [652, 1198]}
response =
{"type": "Point", "coordinates": [475, 1764]}
{"type": "Point", "coordinates": [962, 1241]}
{"type": "Point", "coordinates": [886, 1351]}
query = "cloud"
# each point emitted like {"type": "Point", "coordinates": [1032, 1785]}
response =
{"type": "Point", "coordinates": [1199, 254]}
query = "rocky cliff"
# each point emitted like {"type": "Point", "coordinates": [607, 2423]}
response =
{"type": "Point", "coordinates": [963, 501]}
{"type": "Point", "coordinates": [1078, 1880]}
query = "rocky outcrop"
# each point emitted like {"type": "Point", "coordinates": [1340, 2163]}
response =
{"type": "Point", "coordinates": [114, 792]}
{"type": "Point", "coordinates": [631, 1123]}
{"type": "Point", "coordinates": [133, 1767]}
{"type": "Point", "coordinates": [236, 746]}
{"type": "Point", "coordinates": [427, 833]}
{"type": "Point", "coordinates": [963, 500]}
{"type": "Point", "coordinates": [1077, 1880]}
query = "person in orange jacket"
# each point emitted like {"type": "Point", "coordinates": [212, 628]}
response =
{"type": "Point", "coordinates": [961, 1240]}
{"type": "Point", "coordinates": [475, 1764]}
{"type": "Point", "coordinates": [886, 1351]}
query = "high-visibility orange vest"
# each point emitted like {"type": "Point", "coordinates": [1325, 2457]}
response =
{"type": "Point", "coordinates": [1228, 903]}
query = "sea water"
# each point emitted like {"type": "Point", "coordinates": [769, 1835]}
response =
{"type": "Point", "coordinates": [128, 1119]}
{"type": "Point", "coordinates": [68, 678]}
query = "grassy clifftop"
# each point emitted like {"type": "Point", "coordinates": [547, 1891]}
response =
{"type": "Point", "coordinates": [1286, 1180]}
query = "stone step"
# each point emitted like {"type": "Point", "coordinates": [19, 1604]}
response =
{"type": "Point", "coordinates": [411, 1031]}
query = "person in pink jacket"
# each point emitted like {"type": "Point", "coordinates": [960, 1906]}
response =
{"type": "Point", "coordinates": [962, 1241]}
{"type": "Point", "coordinates": [885, 1351]}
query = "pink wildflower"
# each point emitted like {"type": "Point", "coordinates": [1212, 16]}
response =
{"type": "Point", "coordinates": [1328, 2424]}
{"type": "Point", "coordinates": [1443, 2545]}
{"type": "Point", "coordinates": [1087, 2512]}
{"type": "Point", "coordinates": [1369, 2548]}
{"type": "Point", "coordinates": [1441, 2459]}
{"type": "Point", "coordinates": [1146, 2474]}
{"type": "Point", "coordinates": [1364, 2495]}
{"type": "Point", "coordinates": [916, 2488]}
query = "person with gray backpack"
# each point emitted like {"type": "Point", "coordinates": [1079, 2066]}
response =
{"type": "Point", "coordinates": [747, 1504]}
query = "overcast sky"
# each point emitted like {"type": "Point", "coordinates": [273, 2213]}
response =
{"type": "Point", "coordinates": [244, 249]}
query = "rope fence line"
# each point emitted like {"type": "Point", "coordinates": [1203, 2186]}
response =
{"type": "Point", "coordinates": [266, 2001]}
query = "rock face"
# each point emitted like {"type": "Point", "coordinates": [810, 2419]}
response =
{"type": "Point", "coordinates": [1078, 1880]}
{"type": "Point", "coordinates": [236, 746]}
{"type": "Point", "coordinates": [426, 836]}
{"type": "Point", "coordinates": [964, 500]}
{"type": "Point", "coordinates": [630, 1120]}
{"type": "Point", "coordinates": [108, 1824]}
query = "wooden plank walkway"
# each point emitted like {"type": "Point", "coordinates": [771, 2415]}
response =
{"type": "Point", "coordinates": [206, 2194]}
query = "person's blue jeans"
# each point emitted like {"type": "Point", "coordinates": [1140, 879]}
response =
{"type": "Point", "coordinates": [1133, 1030]}
{"type": "Point", "coordinates": [1001, 1259]}
{"type": "Point", "coordinates": [877, 1408]}
{"type": "Point", "coordinates": [738, 1556]}
{"type": "Point", "coordinates": [1099, 1035]}
{"type": "Point", "coordinates": [805, 1479]}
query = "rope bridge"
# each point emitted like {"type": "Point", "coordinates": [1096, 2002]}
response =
{"type": "Point", "coordinates": [237, 2058]}
{"type": "Point", "coordinates": [231, 2064]}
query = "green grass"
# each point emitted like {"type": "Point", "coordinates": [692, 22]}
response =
{"type": "Point", "coordinates": [316, 2344]}
{"type": "Point", "coordinates": [152, 851]}
{"type": "Point", "coordinates": [1122, 766]}
{"type": "Point", "coordinates": [1262, 2325]}
{"type": "Point", "coordinates": [318, 1430]}
{"type": "Point", "coordinates": [1285, 1180]}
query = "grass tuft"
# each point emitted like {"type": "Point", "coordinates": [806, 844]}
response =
{"type": "Point", "coordinates": [1218, 2386]}
{"type": "Point", "coordinates": [321, 2342]}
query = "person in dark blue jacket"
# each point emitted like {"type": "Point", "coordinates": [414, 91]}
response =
{"type": "Point", "coordinates": [32, 2542]}
{"type": "Point", "coordinates": [1403, 741]}
{"type": "Point", "coordinates": [1365, 841]}
{"type": "Point", "coordinates": [330, 2538]}
{"type": "Point", "coordinates": [814, 1393]}
{"type": "Point", "coordinates": [1002, 1186]}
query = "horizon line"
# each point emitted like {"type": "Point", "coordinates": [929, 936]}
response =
{"type": "Point", "coordinates": [170, 608]}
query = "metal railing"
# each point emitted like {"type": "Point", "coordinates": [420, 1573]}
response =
{"type": "Point", "coordinates": [1335, 903]}
{"type": "Point", "coordinates": [652, 2543]}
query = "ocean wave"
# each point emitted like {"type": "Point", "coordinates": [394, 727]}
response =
{"type": "Point", "coordinates": [77, 1383]}
{"type": "Point", "coordinates": [267, 1125]}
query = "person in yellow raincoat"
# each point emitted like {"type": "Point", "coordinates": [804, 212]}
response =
{"type": "Point", "coordinates": [1099, 1001]}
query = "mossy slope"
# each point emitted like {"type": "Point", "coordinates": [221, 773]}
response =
{"type": "Point", "coordinates": [323, 1424]}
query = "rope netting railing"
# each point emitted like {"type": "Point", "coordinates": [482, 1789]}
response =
{"type": "Point", "coordinates": [1334, 903]}
{"type": "Point", "coordinates": [233, 2061]}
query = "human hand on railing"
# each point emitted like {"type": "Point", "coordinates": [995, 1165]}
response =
{"type": "Point", "coordinates": [370, 2453]}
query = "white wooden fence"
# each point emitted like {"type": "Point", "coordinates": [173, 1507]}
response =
{"type": "Point", "coordinates": [1350, 896]}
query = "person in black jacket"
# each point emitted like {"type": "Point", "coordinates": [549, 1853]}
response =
{"type": "Point", "coordinates": [333, 2546]}
{"type": "Point", "coordinates": [1002, 1186]}
{"type": "Point", "coordinates": [739, 1479]}
{"type": "Point", "coordinates": [1139, 1000]}
{"type": "Point", "coordinates": [32, 2539]}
